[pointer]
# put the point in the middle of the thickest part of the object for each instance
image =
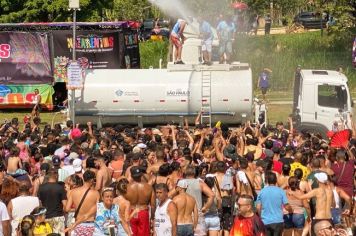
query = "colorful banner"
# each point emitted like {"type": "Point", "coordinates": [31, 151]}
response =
{"type": "Point", "coordinates": [15, 96]}
{"type": "Point", "coordinates": [132, 54]}
{"type": "Point", "coordinates": [94, 50]}
{"type": "Point", "coordinates": [25, 58]}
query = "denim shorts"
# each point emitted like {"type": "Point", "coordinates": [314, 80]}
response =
{"type": "Point", "coordinates": [336, 215]}
{"type": "Point", "coordinates": [185, 230]}
{"type": "Point", "coordinates": [212, 222]}
{"type": "Point", "coordinates": [294, 221]}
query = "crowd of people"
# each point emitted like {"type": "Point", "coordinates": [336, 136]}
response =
{"type": "Point", "coordinates": [245, 180]}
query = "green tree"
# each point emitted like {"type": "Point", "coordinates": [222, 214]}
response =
{"type": "Point", "coordinates": [16, 11]}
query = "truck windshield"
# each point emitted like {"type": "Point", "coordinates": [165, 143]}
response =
{"type": "Point", "coordinates": [332, 96]}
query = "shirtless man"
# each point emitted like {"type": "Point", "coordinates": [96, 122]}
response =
{"type": "Point", "coordinates": [14, 162]}
{"type": "Point", "coordinates": [103, 177]}
{"type": "Point", "coordinates": [140, 195]}
{"type": "Point", "coordinates": [187, 210]}
{"type": "Point", "coordinates": [153, 169]}
{"type": "Point", "coordinates": [245, 178]}
{"type": "Point", "coordinates": [259, 172]}
{"type": "Point", "coordinates": [136, 161]}
{"type": "Point", "coordinates": [84, 220]}
{"type": "Point", "coordinates": [324, 199]}
{"type": "Point", "coordinates": [226, 192]}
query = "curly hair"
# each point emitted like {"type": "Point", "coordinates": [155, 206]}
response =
{"type": "Point", "coordinates": [9, 190]}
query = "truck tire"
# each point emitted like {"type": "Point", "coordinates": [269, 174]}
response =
{"type": "Point", "coordinates": [313, 128]}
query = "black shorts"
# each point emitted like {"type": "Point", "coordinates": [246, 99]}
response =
{"type": "Point", "coordinates": [226, 218]}
{"type": "Point", "coordinates": [264, 90]}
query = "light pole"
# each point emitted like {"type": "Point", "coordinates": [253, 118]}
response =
{"type": "Point", "coordinates": [74, 5]}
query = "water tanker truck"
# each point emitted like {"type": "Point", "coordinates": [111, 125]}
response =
{"type": "Point", "coordinates": [221, 91]}
{"type": "Point", "coordinates": [151, 96]}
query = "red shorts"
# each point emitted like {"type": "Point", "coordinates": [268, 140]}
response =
{"type": "Point", "coordinates": [140, 225]}
{"type": "Point", "coordinates": [176, 42]}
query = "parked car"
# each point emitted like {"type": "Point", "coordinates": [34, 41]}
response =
{"type": "Point", "coordinates": [152, 29]}
{"type": "Point", "coordinates": [310, 20]}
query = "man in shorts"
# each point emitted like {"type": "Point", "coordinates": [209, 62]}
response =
{"type": "Point", "coordinates": [225, 29]}
{"type": "Point", "coordinates": [177, 38]}
{"type": "Point", "coordinates": [207, 40]}
{"type": "Point", "coordinates": [187, 210]}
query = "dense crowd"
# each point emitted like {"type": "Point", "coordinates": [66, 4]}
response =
{"type": "Point", "coordinates": [245, 180]}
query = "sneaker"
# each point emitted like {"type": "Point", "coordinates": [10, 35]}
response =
{"type": "Point", "coordinates": [180, 62]}
{"type": "Point", "coordinates": [209, 63]}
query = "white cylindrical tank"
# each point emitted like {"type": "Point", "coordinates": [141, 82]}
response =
{"type": "Point", "coordinates": [165, 95]}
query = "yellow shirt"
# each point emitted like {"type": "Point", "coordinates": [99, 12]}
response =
{"type": "Point", "coordinates": [42, 229]}
{"type": "Point", "coordinates": [296, 165]}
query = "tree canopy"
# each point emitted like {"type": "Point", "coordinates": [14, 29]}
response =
{"type": "Point", "coordinates": [17, 11]}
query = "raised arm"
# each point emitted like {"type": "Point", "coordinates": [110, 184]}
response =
{"type": "Point", "coordinates": [197, 119]}
{"type": "Point", "coordinates": [308, 195]}
{"type": "Point", "coordinates": [191, 140]}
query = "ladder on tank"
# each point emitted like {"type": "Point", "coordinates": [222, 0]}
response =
{"type": "Point", "coordinates": [205, 117]}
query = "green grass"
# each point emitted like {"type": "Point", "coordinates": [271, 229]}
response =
{"type": "Point", "coordinates": [282, 53]}
{"type": "Point", "coordinates": [152, 51]}
{"type": "Point", "coordinates": [278, 113]}
{"type": "Point", "coordinates": [46, 117]}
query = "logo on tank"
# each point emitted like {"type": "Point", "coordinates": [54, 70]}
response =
{"type": "Point", "coordinates": [119, 93]}
{"type": "Point", "coordinates": [178, 93]}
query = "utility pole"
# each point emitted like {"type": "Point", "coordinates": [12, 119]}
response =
{"type": "Point", "coordinates": [73, 5]}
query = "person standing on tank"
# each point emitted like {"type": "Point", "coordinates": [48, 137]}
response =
{"type": "Point", "coordinates": [177, 38]}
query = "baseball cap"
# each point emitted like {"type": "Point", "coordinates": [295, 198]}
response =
{"type": "Point", "coordinates": [77, 165]}
{"type": "Point", "coordinates": [84, 145]}
{"type": "Point", "coordinates": [321, 177]}
{"type": "Point", "coordinates": [141, 145]}
{"type": "Point", "coordinates": [182, 183]}
{"type": "Point", "coordinates": [56, 160]}
{"type": "Point", "coordinates": [136, 150]}
{"type": "Point", "coordinates": [73, 155]}
{"type": "Point", "coordinates": [136, 172]}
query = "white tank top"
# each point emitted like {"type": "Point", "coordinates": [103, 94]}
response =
{"type": "Point", "coordinates": [22, 206]}
{"type": "Point", "coordinates": [163, 225]}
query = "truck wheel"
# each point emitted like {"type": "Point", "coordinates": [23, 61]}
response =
{"type": "Point", "coordinates": [314, 130]}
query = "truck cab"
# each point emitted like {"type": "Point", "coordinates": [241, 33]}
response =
{"type": "Point", "coordinates": [321, 100]}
